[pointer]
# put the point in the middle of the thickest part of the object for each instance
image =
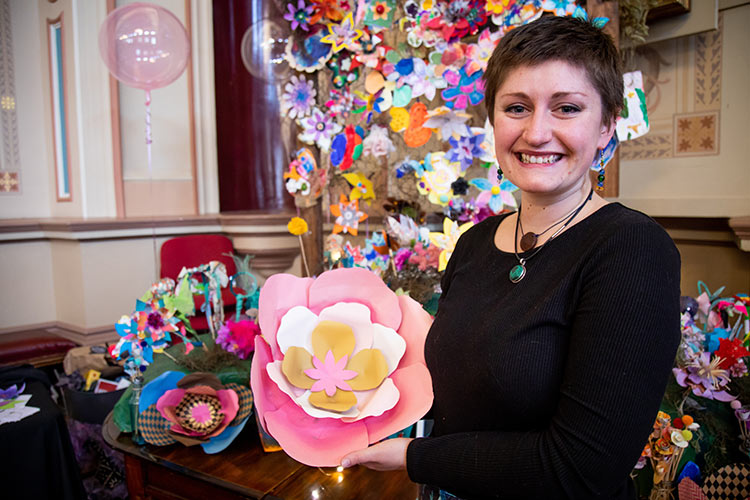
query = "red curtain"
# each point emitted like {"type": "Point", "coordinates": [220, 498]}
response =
{"type": "Point", "coordinates": [250, 150]}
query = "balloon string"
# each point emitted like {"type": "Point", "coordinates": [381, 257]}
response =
{"type": "Point", "coordinates": [151, 181]}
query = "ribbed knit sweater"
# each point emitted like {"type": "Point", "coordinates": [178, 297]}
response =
{"type": "Point", "coordinates": [549, 388]}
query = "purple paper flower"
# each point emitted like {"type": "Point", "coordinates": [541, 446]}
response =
{"type": "Point", "coordinates": [11, 393]}
{"type": "Point", "coordinates": [298, 98]}
{"type": "Point", "coordinates": [463, 89]}
{"type": "Point", "coordinates": [465, 149]}
{"type": "Point", "coordinates": [703, 375]}
{"type": "Point", "coordinates": [299, 17]}
{"type": "Point", "coordinates": [401, 257]}
{"type": "Point", "coordinates": [319, 129]}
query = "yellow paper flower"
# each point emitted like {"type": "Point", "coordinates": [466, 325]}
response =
{"type": "Point", "coordinates": [297, 226]}
{"type": "Point", "coordinates": [447, 239]}
{"type": "Point", "coordinates": [361, 186]}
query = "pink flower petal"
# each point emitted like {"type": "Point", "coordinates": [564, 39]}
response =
{"type": "Point", "coordinates": [280, 293]}
{"type": "Point", "coordinates": [266, 394]}
{"type": "Point", "coordinates": [230, 404]}
{"type": "Point", "coordinates": [318, 442]}
{"type": "Point", "coordinates": [355, 285]}
{"type": "Point", "coordinates": [171, 398]}
{"type": "Point", "coordinates": [415, 386]}
{"type": "Point", "coordinates": [414, 327]}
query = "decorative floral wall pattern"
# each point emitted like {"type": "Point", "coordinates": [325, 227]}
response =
{"type": "Point", "coordinates": [10, 176]}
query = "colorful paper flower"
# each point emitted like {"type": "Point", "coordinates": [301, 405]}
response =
{"type": "Point", "coordinates": [299, 16]}
{"type": "Point", "coordinates": [416, 134]}
{"type": "Point", "coordinates": [494, 195]}
{"type": "Point", "coordinates": [704, 377]}
{"type": "Point", "coordinates": [478, 54]}
{"type": "Point", "coordinates": [297, 226]}
{"type": "Point", "coordinates": [11, 393]}
{"type": "Point", "coordinates": [348, 216]}
{"type": "Point", "coordinates": [238, 337]}
{"type": "Point", "coordinates": [447, 240]}
{"type": "Point", "coordinates": [319, 129]}
{"type": "Point", "coordinates": [342, 35]}
{"type": "Point", "coordinates": [328, 9]}
{"type": "Point", "coordinates": [425, 257]}
{"type": "Point", "coordinates": [147, 331]}
{"type": "Point", "coordinates": [448, 122]}
{"type": "Point", "coordinates": [361, 186]}
{"type": "Point", "coordinates": [559, 7]}
{"type": "Point", "coordinates": [380, 13]}
{"type": "Point", "coordinates": [193, 409]}
{"type": "Point", "coordinates": [340, 364]}
{"type": "Point", "coordinates": [347, 147]}
{"type": "Point", "coordinates": [516, 13]}
{"type": "Point", "coordinates": [465, 149]}
{"type": "Point", "coordinates": [459, 18]}
{"type": "Point", "coordinates": [405, 230]}
{"type": "Point", "coordinates": [463, 89]}
{"type": "Point", "coordinates": [309, 54]}
{"type": "Point", "coordinates": [378, 143]}
{"type": "Point", "coordinates": [298, 98]}
{"type": "Point", "coordinates": [436, 179]}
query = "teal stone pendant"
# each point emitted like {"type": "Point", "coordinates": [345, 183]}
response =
{"type": "Point", "coordinates": [517, 272]}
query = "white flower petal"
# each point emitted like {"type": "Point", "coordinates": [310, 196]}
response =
{"type": "Point", "coordinates": [390, 343]}
{"type": "Point", "coordinates": [376, 401]}
{"type": "Point", "coordinates": [295, 329]}
{"type": "Point", "coordinates": [357, 316]}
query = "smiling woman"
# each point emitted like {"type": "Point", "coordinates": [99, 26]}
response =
{"type": "Point", "coordinates": [558, 324]}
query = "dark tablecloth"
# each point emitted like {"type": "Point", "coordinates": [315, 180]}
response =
{"type": "Point", "coordinates": [38, 460]}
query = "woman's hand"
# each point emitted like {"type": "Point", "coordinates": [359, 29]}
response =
{"type": "Point", "coordinates": [385, 455]}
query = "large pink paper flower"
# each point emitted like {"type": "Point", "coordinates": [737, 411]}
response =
{"type": "Point", "coordinates": [340, 364]}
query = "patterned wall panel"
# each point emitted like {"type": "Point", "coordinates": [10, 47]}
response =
{"type": "Point", "coordinates": [10, 163]}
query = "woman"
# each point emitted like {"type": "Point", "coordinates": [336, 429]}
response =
{"type": "Point", "coordinates": [558, 324]}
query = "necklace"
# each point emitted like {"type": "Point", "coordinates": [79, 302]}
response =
{"type": "Point", "coordinates": [528, 240]}
{"type": "Point", "coordinates": [518, 271]}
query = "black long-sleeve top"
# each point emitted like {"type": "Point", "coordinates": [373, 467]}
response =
{"type": "Point", "coordinates": [548, 388]}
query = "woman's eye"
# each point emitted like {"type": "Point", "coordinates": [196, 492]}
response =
{"type": "Point", "coordinates": [568, 109]}
{"type": "Point", "coordinates": [515, 109]}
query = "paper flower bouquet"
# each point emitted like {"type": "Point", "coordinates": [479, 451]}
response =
{"type": "Point", "coordinates": [339, 365]}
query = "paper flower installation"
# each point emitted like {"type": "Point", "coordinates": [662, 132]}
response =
{"type": "Point", "coordinates": [478, 54]}
{"type": "Point", "coordinates": [238, 337]}
{"type": "Point", "coordinates": [11, 393]}
{"type": "Point", "coordinates": [348, 216]}
{"type": "Point", "coordinates": [405, 230]}
{"type": "Point", "coordinates": [447, 240]}
{"type": "Point", "coordinates": [515, 13]}
{"type": "Point", "coordinates": [436, 178]}
{"type": "Point", "coordinates": [361, 186]}
{"type": "Point", "coordinates": [459, 18]}
{"type": "Point", "coordinates": [342, 35]}
{"type": "Point", "coordinates": [319, 129]}
{"type": "Point", "coordinates": [299, 16]}
{"type": "Point", "coordinates": [340, 364]}
{"type": "Point", "coordinates": [463, 89]}
{"type": "Point", "coordinates": [416, 133]}
{"type": "Point", "coordinates": [193, 409]}
{"type": "Point", "coordinates": [377, 143]}
{"type": "Point", "coordinates": [298, 98]}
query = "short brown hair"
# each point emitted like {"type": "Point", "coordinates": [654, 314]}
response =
{"type": "Point", "coordinates": [573, 40]}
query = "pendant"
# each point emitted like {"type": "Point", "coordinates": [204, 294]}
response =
{"type": "Point", "coordinates": [528, 241]}
{"type": "Point", "coordinates": [517, 272]}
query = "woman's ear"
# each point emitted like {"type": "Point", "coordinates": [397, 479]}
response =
{"type": "Point", "coordinates": [606, 132]}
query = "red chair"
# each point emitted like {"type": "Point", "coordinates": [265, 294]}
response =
{"type": "Point", "coordinates": [192, 251]}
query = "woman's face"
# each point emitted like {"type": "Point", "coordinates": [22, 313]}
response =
{"type": "Point", "coordinates": [548, 128]}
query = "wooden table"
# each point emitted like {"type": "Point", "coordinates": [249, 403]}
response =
{"type": "Point", "coordinates": [244, 470]}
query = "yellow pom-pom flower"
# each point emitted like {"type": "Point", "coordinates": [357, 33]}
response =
{"type": "Point", "coordinates": [297, 226]}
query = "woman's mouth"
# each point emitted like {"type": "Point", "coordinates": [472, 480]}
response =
{"type": "Point", "coordinates": [545, 159]}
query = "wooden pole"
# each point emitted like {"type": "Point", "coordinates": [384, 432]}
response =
{"type": "Point", "coordinates": [313, 239]}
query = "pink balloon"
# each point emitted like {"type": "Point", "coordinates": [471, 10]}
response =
{"type": "Point", "coordinates": [144, 45]}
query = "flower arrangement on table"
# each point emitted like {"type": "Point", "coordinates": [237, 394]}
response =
{"type": "Point", "coordinates": [709, 381]}
{"type": "Point", "coordinates": [339, 363]}
{"type": "Point", "coordinates": [196, 392]}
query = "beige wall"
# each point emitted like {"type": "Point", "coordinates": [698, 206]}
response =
{"type": "Point", "coordinates": [27, 284]}
{"type": "Point", "coordinates": [693, 162]}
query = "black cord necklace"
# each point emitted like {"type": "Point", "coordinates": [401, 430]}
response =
{"type": "Point", "coordinates": [528, 240]}
{"type": "Point", "coordinates": [518, 271]}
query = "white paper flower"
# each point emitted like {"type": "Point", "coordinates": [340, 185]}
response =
{"type": "Point", "coordinates": [298, 98]}
{"type": "Point", "coordinates": [378, 143]}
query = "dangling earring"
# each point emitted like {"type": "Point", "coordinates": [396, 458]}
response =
{"type": "Point", "coordinates": [499, 175]}
{"type": "Point", "coordinates": [600, 177]}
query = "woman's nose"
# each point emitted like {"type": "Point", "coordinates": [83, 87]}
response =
{"type": "Point", "coordinates": [538, 129]}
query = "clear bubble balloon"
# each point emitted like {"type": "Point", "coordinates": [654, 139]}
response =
{"type": "Point", "coordinates": [144, 45]}
{"type": "Point", "coordinates": [263, 50]}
